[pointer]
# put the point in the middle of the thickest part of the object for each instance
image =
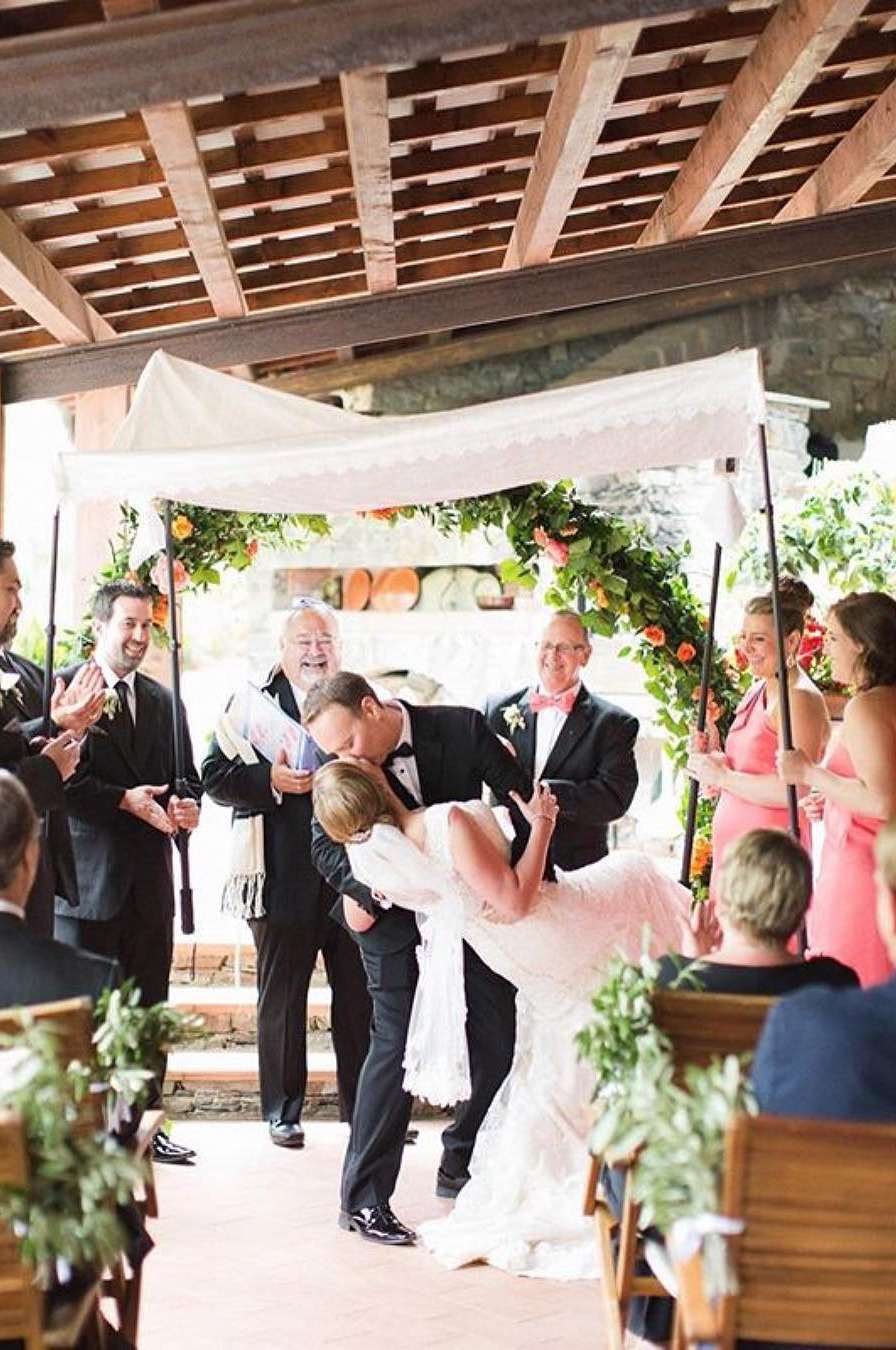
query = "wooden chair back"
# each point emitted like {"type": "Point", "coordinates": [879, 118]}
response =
{"type": "Point", "coordinates": [701, 1026]}
{"type": "Point", "coordinates": [816, 1263]}
{"type": "Point", "coordinates": [21, 1303]}
{"type": "Point", "coordinates": [73, 1023]}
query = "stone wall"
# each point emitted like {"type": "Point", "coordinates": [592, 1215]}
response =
{"type": "Point", "coordinates": [837, 344]}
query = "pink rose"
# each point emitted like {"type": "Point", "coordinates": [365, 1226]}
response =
{"type": "Point", "coordinates": [159, 574]}
{"type": "Point", "coordinates": [556, 550]}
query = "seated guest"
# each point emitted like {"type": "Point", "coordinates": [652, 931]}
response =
{"type": "Point", "coordinates": [764, 891]}
{"type": "Point", "coordinates": [35, 969]}
{"type": "Point", "coordinates": [832, 1055]}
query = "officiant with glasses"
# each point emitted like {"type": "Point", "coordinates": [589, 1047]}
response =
{"type": "Point", "coordinates": [261, 764]}
{"type": "Point", "coordinates": [581, 745]}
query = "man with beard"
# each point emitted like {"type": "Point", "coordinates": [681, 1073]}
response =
{"type": "Point", "coordinates": [124, 813]}
{"type": "Point", "coordinates": [276, 887]}
{"type": "Point", "coordinates": [43, 765]}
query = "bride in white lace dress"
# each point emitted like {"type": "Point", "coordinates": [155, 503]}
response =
{"type": "Point", "coordinates": [522, 1207]}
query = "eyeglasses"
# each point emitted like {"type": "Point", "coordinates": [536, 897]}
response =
{"type": "Point", "coordinates": [561, 648]}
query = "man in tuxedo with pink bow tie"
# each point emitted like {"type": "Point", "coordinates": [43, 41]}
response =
{"type": "Point", "coordinates": [581, 745]}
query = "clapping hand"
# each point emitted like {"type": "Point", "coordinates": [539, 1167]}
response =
{"type": "Point", "coordinates": [703, 934]}
{"type": "Point", "coordinates": [80, 704]}
{"type": "Point", "coordinates": [64, 751]}
{"type": "Point", "coordinates": [542, 805]}
{"type": "Point", "coordinates": [813, 804]}
{"type": "Point", "coordinates": [141, 802]}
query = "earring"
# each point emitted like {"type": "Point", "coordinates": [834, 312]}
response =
{"type": "Point", "coordinates": [790, 662]}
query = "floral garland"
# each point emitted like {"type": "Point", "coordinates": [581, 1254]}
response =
{"type": "Point", "coordinates": [603, 566]}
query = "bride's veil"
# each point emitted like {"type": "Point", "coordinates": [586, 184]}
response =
{"type": "Point", "coordinates": [436, 1062]}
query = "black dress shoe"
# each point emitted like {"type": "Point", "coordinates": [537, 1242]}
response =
{"type": "Point", "coordinates": [378, 1224]}
{"type": "Point", "coordinates": [412, 1134]}
{"type": "Point", "coordinates": [165, 1151]}
{"type": "Point", "coordinates": [448, 1187]}
{"type": "Point", "coordinates": [286, 1133]}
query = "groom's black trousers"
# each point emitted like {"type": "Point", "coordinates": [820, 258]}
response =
{"type": "Point", "coordinates": [383, 1108]}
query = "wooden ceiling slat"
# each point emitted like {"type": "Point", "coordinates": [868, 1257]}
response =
{"type": "Point", "coordinates": [29, 279]}
{"type": "Point", "coordinates": [284, 188]}
{"type": "Point", "coordinates": [855, 164]}
{"type": "Point", "coordinates": [158, 243]}
{"type": "Point", "coordinates": [592, 68]}
{"type": "Point", "coordinates": [75, 186]}
{"type": "Point", "coordinates": [177, 151]}
{"type": "Point", "coordinates": [46, 147]}
{"type": "Point", "coordinates": [799, 37]}
{"type": "Point", "coordinates": [101, 219]}
{"type": "Point", "coordinates": [284, 150]}
{"type": "Point", "coordinates": [366, 110]}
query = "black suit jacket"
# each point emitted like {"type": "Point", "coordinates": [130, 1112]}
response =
{"type": "Point", "coordinates": [36, 969]}
{"type": "Point", "coordinates": [456, 754]}
{"type": "Point", "coordinates": [116, 854]}
{"type": "Point", "coordinates": [293, 887]}
{"type": "Point", "coordinates": [22, 718]}
{"type": "Point", "coordinates": [830, 1053]}
{"type": "Point", "coordinates": [591, 769]}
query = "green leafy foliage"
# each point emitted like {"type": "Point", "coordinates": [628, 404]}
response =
{"type": "Point", "coordinates": [844, 533]}
{"type": "Point", "coordinates": [129, 1037]}
{"type": "Point", "coordinates": [66, 1215]}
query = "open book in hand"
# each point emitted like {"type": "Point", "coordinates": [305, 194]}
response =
{"type": "Point", "coordinates": [269, 729]}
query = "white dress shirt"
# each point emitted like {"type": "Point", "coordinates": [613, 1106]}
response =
{"type": "Point", "coordinates": [548, 725]}
{"type": "Point", "coordinates": [405, 769]}
{"type": "Point", "coordinates": [129, 682]}
{"type": "Point", "coordinates": [7, 907]}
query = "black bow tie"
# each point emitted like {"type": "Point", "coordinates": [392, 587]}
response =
{"type": "Point", "coordinates": [401, 751]}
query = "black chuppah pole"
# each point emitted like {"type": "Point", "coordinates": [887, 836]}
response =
{"type": "Point", "coordinates": [690, 827]}
{"type": "Point", "coordinates": [50, 649]}
{"type": "Point", "coordinates": [181, 788]}
{"type": "Point", "coordinates": [783, 687]}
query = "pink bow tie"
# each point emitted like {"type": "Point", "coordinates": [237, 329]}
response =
{"type": "Point", "coordinates": [564, 702]}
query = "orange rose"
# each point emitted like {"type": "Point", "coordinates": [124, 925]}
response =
{"type": "Point", "coordinates": [160, 611]}
{"type": "Point", "coordinates": [654, 635]}
{"type": "Point", "coordinates": [251, 548]}
{"type": "Point", "coordinates": [686, 652]}
{"type": "Point", "coordinates": [601, 598]}
{"type": "Point", "coordinates": [181, 527]}
{"type": "Point", "coordinates": [568, 531]}
{"type": "Point", "coordinates": [381, 513]}
{"type": "Point", "coordinates": [701, 856]}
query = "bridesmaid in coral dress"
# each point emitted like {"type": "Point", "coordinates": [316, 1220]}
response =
{"type": "Point", "coordinates": [858, 784]}
{"type": "Point", "coordinates": [751, 795]}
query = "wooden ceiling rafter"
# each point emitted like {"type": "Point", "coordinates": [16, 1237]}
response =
{"type": "Point", "coordinates": [29, 279]}
{"type": "Point", "coordinates": [789, 53]}
{"type": "Point", "coordinates": [594, 63]}
{"type": "Point", "coordinates": [365, 104]}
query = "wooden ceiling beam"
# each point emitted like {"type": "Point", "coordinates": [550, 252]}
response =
{"type": "Point", "coordinates": [510, 340]}
{"type": "Point", "coordinates": [843, 238]}
{"type": "Point", "coordinates": [177, 151]}
{"type": "Point", "coordinates": [594, 62]}
{"type": "Point", "coordinates": [793, 47]}
{"type": "Point", "coordinates": [32, 282]}
{"type": "Point", "coordinates": [366, 108]}
{"type": "Point", "coordinates": [233, 45]}
{"type": "Point", "coordinates": [854, 165]}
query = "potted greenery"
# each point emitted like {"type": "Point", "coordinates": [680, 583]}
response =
{"type": "Point", "coordinates": [130, 1043]}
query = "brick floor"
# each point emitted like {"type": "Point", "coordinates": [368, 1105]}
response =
{"type": "Point", "coordinates": [248, 1253]}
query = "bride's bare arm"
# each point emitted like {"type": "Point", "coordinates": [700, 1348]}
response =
{"type": "Point", "coordinates": [509, 891]}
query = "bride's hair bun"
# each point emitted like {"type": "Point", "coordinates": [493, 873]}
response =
{"type": "Point", "coordinates": [795, 594]}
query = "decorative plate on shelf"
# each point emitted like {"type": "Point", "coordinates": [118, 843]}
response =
{"type": "Point", "coordinates": [356, 589]}
{"type": "Point", "coordinates": [396, 589]}
{"type": "Point", "coordinates": [454, 588]}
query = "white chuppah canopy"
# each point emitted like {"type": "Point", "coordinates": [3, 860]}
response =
{"type": "Point", "coordinates": [195, 435]}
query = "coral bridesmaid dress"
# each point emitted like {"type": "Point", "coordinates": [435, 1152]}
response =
{"type": "Point", "coordinates": [750, 747]}
{"type": "Point", "coordinates": [842, 918]}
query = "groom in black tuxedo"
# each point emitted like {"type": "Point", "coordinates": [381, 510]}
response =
{"type": "Point", "coordinates": [430, 754]}
{"type": "Point", "coordinates": [580, 745]}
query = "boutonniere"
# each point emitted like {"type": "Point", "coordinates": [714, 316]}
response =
{"type": "Point", "coordinates": [9, 684]}
{"type": "Point", "coordinates": [111, 703]}
{"type": "Point", "coordinates": [514, 717]}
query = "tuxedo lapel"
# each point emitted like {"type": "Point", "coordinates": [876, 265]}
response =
{"type": "Point", "coordinates": [572, 731]}
{"type": "Point", "coordinates": [429, 754]}
{"type": "Point", "coordinates": [280, 689]}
